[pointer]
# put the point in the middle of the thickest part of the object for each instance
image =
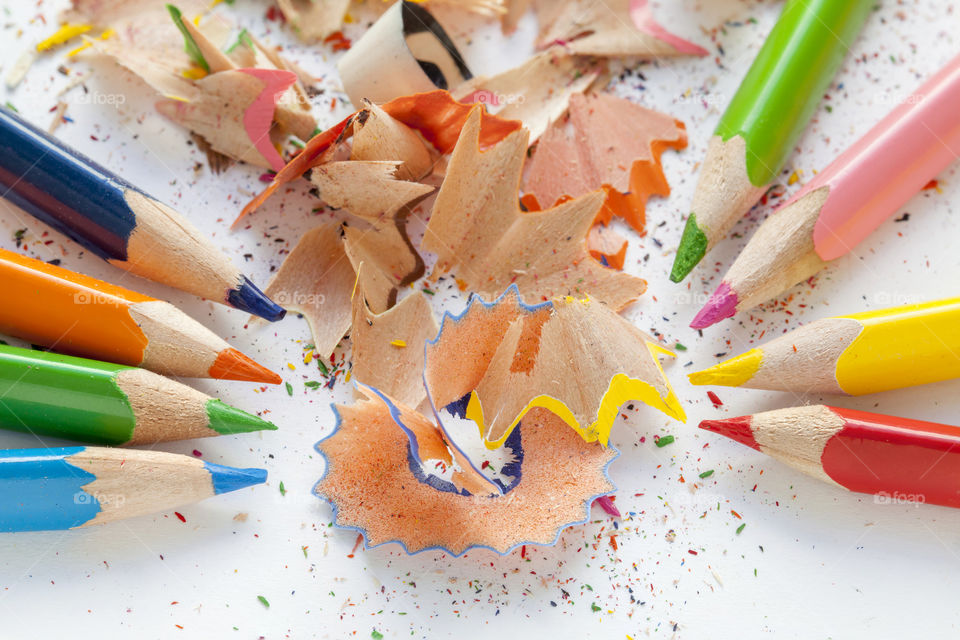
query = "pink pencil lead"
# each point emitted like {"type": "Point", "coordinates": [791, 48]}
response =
{"type": "Point", "coordinates": [722, 304]}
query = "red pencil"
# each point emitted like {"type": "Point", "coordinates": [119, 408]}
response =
{"type": "Point", "coordinates": [895, 459]}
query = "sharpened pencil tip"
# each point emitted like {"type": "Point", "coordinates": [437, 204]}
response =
{"type": "Point", "coordinates": [234, 365]}
{"type": "Point", "coordinates": [730, 373]}
{"type": "Point", "coordinates": [738, 429]}
{"type": "Point", "coordinates": [227, 420]}
{"type": "Point", "coordinates": [722, 304]}
{"type": "Point", "coordinates": [227, 479]}
{"type": "Point", "coordinates": [247, 297]}
{"type": "Point", "coordinates": [693, 246]}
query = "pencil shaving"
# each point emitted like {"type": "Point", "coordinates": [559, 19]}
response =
{"type": "Point", "coordinates": [478, 230]}
{"type": "Point", "coordinates": [610, 143]}
{"type": "Point", "coordinates": [369, 474]}
{"type": "Point", "coordinates": [576, 358]}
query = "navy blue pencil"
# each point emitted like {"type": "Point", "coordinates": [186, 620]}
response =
{"type": "Point", "coordinates": [115, 220]}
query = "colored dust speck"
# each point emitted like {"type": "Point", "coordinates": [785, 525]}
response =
{"type": "Point", "coordinates": [283, 490]}
{"type": "Point", "coordinates": [664, 441]}
{"type": "Point", "coordinates": [715, 399]}
{"type": "Point", "coordinates": [264, 601]}
{"type": "Point", "coordinates": [706, 474]}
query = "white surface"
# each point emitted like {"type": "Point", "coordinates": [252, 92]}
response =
{"type": "Point", "coordinates": [812, 562]}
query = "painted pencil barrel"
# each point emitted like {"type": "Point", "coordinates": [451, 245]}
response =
{"type": "Point", "coordinates": [65, 189]}
{"type": "Point", "coordinates": [902, 347]}
{"type": "Point", "coordinates": [787, 79]}
{"type": "Point", "coordinates": [80, 315]}
{"type": "Point", "coordinates": [103, 403]}
{"type": "Point", "coordinates": [872, 179]}
{"type": "Point", "coordinates": [69, 487]}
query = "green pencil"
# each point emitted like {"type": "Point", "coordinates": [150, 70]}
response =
{"type": "Point", "coordinates": [102, 403]}
{"type": "Point", "coordinates": [768, 113]}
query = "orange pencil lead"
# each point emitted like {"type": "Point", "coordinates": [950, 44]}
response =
{"type": "Point", "coordinates": [234, 365]}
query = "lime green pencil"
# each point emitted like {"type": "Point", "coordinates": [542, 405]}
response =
{"type": "Point", "coordinates": [102, 403]}
{"type": "Point", "coordinates": [768, 113]}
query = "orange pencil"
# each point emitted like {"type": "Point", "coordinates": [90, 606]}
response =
{"type": "Point", "coordinates": [77, 315]}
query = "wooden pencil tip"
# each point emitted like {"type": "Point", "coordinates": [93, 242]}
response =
{"type": "Point", "coordinates": [234, 365]}
{"type": "Point", "coordinates": [722, 304]}
{"type": "Point", "coordinates": [738, 429]}
{"type": "Point", "coordinates": [730, 373]}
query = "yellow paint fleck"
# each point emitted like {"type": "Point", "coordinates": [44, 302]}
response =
{"type": "Point", "coordinates": [64, 33]}
{"type": "Point", "coordinates": [73, 52]}
{"type": "Point", "coordinates": [194, 73]}
{"type": "Point", "coordinates": [291, 366]}
{"type": "Point", "coordinates": [398, 343]}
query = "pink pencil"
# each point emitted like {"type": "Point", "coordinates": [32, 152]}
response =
{"type": "Point", "coordinates": [836, 210]}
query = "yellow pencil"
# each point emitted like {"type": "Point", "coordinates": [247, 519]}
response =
{"type": "Point", "coordinates": [853, 355]}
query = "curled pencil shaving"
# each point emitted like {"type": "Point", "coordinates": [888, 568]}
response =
{"type": "Point", "coordinates": [243, 102]}
{"type": "Point", "coordinates": [611, 28]}
{"type": "Point", "coordinates": [435, 116]}
{"type": "Point", "coordinates": [507, 356]}
{"type": "Point", "coordinates": [319, 276]}
{"type": "Point", "coordinates": [379, 136]}
{"type": "Point", "coordinates": [478, 230]}
{"type": "Point", "coordinates": [314, 20]}
{"type": "Point", "coordinates": [609, 143]}
{"type": "Point", "coordinates": [372, 486]}
{"type": "Point", "coordinates": [537, 92]}
{"type": "Point", "coordinates": [428, 443]}
{"type": "Point", "coordinates": [317, 280]}
{"type": "Point", "coordinates": [230, 102]}
{"type": "Point", "coordinates": [387, 348]}
{"type": "Point", "coordinates": [371, 191]}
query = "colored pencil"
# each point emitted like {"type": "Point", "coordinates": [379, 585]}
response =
{"type": "Point", "coordinates": [82, 316]}
{"type": "Point", "coordinates": [102, 403]}
{"type": "Point", "coordinates": [115, 220]}
{"type": "Point", "coordinates": [73, 487]}
{"type": "Point", "coordinates": [896, 459]}
{"type": "Point", "coordinates": [766, 116]}
{"type": "Point", "coordinates": [854, 354]}
{"type": "Point", "coordinates": [844, 203]}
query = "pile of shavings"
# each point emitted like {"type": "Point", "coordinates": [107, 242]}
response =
{"type": "Point", "coordinates": [521, 196]}
{"type": "Point", "coordinates": [240, 97]}
{"type": "Point", "coordinates": [543, 370]}
{"type": "Point", "coordinates": [395, 474]}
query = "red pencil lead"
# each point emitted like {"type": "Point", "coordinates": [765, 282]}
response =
{"type": "Point", "coordinates": [734, 428]}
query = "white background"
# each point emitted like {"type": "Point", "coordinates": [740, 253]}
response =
{"type": "Point", "coordinates": [812, 561]}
